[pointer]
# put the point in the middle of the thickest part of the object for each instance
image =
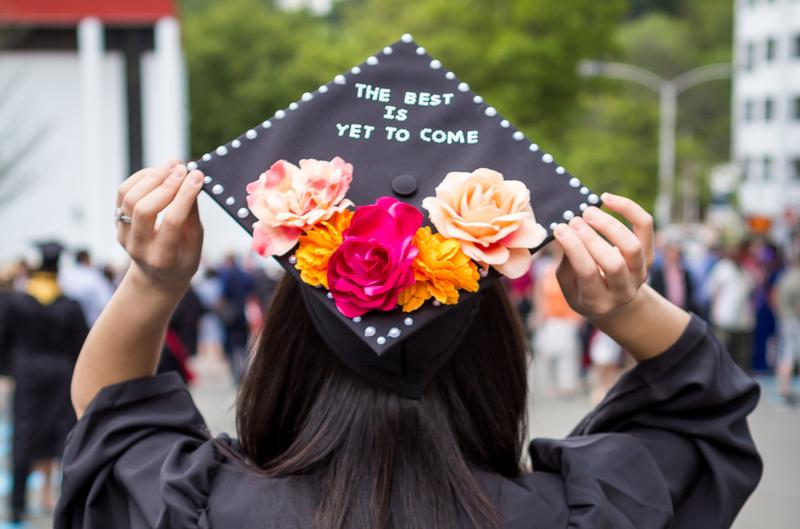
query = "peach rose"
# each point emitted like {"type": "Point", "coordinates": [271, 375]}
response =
{"type": "Point", "coordinates": [491, 217]}
{"type": "Point", "coordinates": [288, 200]}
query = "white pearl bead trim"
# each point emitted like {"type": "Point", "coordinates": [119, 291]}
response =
{"type": "Point", "coordinates": [574, 182]}
{"type": "Point", "coordinates": [372, 61]}
{"type": "Point", "coordinates": [387, 50]}
{"type": "Point", "coordinates": [243, 213]}
{"type": "Point", "coordinates": [553, 226]}
{"type": "Point", "coordinates": [355, 70]}
{"type": "Point", "coordinates": [206, 157]}
{"type": "Point", "coordinates": [323, 89]}
{"type": "Point", "coordinates": [222, 150]}
{"type": "Point", "coordinates": [490, 111]}
{"type": "Point", "coordinates": [280, 114]}
{"type": "Point", "coordinates": [533, 147]}
{"type": "Point", "coordinates": [369, 331]}
{"type": "Point", "coordinates": [394, 332]}
{"type": "Point", "coordinates": [505, 124]}
{"type": "Point", "coordinates": [450, 76]}
{"type": "Point", "coordinates": [292, 259]}
{"type": "Point", "coordinates": [406, 37]}
{"type": "Point", "coordinates": [593, 199]}
{"type": "Point", "coordinates": [477, 100]}
{"type": "Point", "coordinates": [518, 135]}
{"type": "Point", "coordinates": [191, 166]}
{"type": "Point", "coordinates": [547, 158]}
{"type": "Point", "coordinates": [293, 106]}
{"type": "Point", "coordinates": [435, 64]}
{"type": "Point", "coordinates": [236, 144]}
{"type": "Point", "coordinates": [251, 134]}
{"type": "Point", "coordinates": [568, 215]}
{"type": "Point", "coordinates": [230, 201]}
{"type": "Point", "coordinates": [307, 96]}
{"type": "Point", "coordinates": [339, 79]}
{"type": "Point", "coordinates": [463, 87]}
{"type": "Point", "coordinates": [408, 322]}
{"type": "Point", "coordinates": [381, 340]}
{"type": "Point", "coordinates": [208, 180]}
{"type": "Point", "coordinates": [217, 189]}
{"type": "Point", "coordinates": [560, 170]}
{"type": "Point", "coordinates": [357, 319]}
{"type": "Point", "coordinates": [420, 51]}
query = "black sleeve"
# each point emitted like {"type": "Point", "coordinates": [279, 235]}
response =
{"type": "Point", "coordinates": [668, 447]}
{"type": "Point", "coordinates": [140, 457]}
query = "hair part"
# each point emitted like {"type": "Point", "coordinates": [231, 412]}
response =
{"type": "Point", "coordinates": [385, 461]}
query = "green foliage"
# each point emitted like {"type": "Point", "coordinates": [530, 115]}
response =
{"type": "Point", "coordinates": [247, 58]}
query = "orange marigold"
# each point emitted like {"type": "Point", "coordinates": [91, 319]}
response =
{"type": "Point", "coordinates": [317, 245]}
{"type": "Point", "coordinates": [440, 270]}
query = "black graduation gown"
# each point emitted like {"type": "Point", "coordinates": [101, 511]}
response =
{"type": "Point", "coordinates": [668, 447]}
{"type": "Point", "coordinates": [42, 342]}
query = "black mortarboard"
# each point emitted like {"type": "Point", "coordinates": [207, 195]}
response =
{"type": "Point", "coordinates": [50, 252]}
{"type": "Point", "coordinates": [404, 122]}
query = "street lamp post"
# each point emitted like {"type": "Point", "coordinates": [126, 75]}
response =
{"type": "Point", "coordinates": [668, 91]}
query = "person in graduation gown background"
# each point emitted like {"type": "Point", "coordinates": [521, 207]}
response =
{"type": "Point", "coordinates": [321, 447]}
{"type": "Point", "coordinates": [41, 331]}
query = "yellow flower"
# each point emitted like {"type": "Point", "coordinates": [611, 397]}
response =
{"type": "Point", "coordinates": [440, 270]}
{"type": "Point", "coordinates": [316, 246]}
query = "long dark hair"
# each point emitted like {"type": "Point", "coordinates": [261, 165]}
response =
{"type": "Point", "coordinates": [384, 461]}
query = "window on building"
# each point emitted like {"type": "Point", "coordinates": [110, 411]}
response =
{"type": "Point", "coordinates": [771, 49]}
{"type": "Point", "coordinates": [750, 56]}
{"type": "Point", "coordinates": [796, 51]}
{"type": "Point", "coordinates": [769, 109]}
{"type": "Point", "coordinates": [746, 168]}
{"type": "Point", "coordinates": [796, 168]}
{"type": "Point", "coordinates": [748, 111]}
{"type": "Point", "coordinates": [768, 165]}
{"type": "Point", "coordinates": [796, 108]}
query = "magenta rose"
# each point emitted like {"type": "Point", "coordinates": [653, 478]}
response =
{"type": "Point", "coordinates": [373, 263]}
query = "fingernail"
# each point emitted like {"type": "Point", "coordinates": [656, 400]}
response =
{"type": "Point", "coordinates": [590, 213]}
{"type": "Point", "coordinates": [179, 172]}
{"type": "Point", "coordinates": [579, 224]}
{"type": "Point", "coordinates": [559, 231]}
{"type": "Point", "coordinates": [605, 197]}
{"type": "Point", "coordinates": [197, 178]}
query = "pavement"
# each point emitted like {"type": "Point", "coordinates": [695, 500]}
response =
{"type": "Point", "coordinates": [776, 429]}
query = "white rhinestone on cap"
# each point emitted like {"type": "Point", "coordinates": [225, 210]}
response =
{"type": "Point", "coordinates": [307, 96]}
{"type": "Point", "coordinates": [533, 147]}
{"type": "Point", "coordinates": [505, 124]}
{"type": "Point", "coordinates": [280, 114]}
{"type": "Point", "coordinates": [420, 51]}
{"type": "Point", "coordinates": [477, 100]}
{"type": "Point", "coordinates": [242, 213]}
{"type": "Point", "coordinates": [406, 37]}
{"type": "Point", "coordinates": [251, 134]}
{"type": "Point", "coordinates": [355, 70]}
{"type": "Point", "coordinates": [191, 166]}
{"type": "Point", "coordinates": [583, 206]}
{"type": "Point", "coordinates": [323, 89]}
{"type": "Point", "coordinates": [387, 50]}
{"type": "Point", "coordinates": [394, 332]}
{"type": "Point", "coordinates": [568, 215]}
{"type": "Point", "coordinates": [236, 144]}
{"type": "Point", "coordinates": [408, 322]}
{"type": "Point", "coordinates": [463, 87]}
{"type": "Point", "coordinates": [584, 190]}
{"type": "Point", "coordinates": [450, 75]}
{"type": "Point", "coordinates": [574, 182]}
{"type": "Point", "coordinates": [357, 319]}
{"type": "Point", "coordinates": [547, 158]}
{"type": "Point", "coordinates": [222, 150]}
{"type": "Point", "coordinates": [436, 64]}
{"type": "Point", "coordinates": [553, 226]}
{"type": "Point", "coordinates": [292, 259]}
{"type": "Point", "coordinates": [437, 303]}
{"type": "Point", "coordinates": [293, 106]}
{"type": "Point", "coordinates": [230, 201]}
{"type": "Point", "coordinates": [519, 136]}
{"type": "Point", "coordinates": [369, 331]}
{"type": "Point", "coordinates": [560, 170]}
{"type": "Point", "coordinates": [490, 111]}
{"type": "Point", "coordinates": [206, 157]}
{"type": "Point", "coordinates": [208, 179]}
{"type": "Point", "coordinates": [217, 189]}
{"type": "Point", "coordinates": [372, 61]}
{"type": "Point", "coordinates": [329, 295]}
{"type": "Point", "coordinates": [593, 198]}
{"type": "Point", "coordinates": [381, 340]}
{"type": "Point", "coordinates": [339, 79]}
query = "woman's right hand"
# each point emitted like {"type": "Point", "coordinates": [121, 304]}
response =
{"type": "Point", "coordinates": [165, 256]}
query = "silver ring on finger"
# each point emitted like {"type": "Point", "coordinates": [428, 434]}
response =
{"type": "Point", "coordinates": [119, 216]}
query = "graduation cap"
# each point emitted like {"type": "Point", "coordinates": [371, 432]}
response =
{"type": "Point", "coordinates": [404, 142]}
{"type": "Point", "coordinates": [50, 252]}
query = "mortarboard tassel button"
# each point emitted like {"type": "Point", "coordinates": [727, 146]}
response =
{"type": "Point", "coordinates": [369, 331]}
{"type": "Point", "coordinates": [404, 185]}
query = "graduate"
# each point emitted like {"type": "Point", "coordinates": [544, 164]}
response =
{"type": "Point", "coordinates": [388, 386]}
{"type": "Point", "coordinates": [41, 331]}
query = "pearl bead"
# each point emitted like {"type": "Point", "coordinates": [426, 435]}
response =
{"type": "Point", "coordinates": [408, 322]}
{"type": "Point", "coordinates": [369, 331]}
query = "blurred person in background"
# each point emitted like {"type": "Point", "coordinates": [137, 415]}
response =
{"type": "Point", "coordinates": [42, 331]}
{"type": "Point", "coordinates": [787, 306]}
{"type": "Point", "coordinates": [769, 264]}
{"type": "Point", "coordinates": [556, 342]}
{"type": "Point", "coordinates": [607, 357]}
{"type": "Point", "coordinates": [237, 287]}
{"type": "Point", "coordinates": [181, 339]}
{"type": "Point", "coordinates": [87, 285]}
{"type": "Point", "coordinates": [671, 277]}
{"type": "Point", "coordinates": [211, 332]}
{"type": "Point", "coordinates": [730, 288]}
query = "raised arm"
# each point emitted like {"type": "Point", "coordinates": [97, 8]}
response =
{"type": "Point", "coordinates": [126, 339]}
{"type": "Point", "coordinates": [603, 275]}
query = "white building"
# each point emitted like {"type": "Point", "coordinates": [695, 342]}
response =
{"type": "Point", "coordinates": [766, 116]}
{"type": "Point", "coordinates": [90, 92]}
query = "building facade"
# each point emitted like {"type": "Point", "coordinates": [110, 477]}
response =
{"type": "Point", "coordinates": [766, 113]}
{"type": "Point", "coordinates": [90, 91]}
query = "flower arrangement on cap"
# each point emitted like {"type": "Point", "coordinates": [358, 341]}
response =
{"type": "Point", "coordinates": [380, 256]}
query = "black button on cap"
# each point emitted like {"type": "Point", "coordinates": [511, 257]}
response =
{"type": "Point", "coordinates": [404, 185]}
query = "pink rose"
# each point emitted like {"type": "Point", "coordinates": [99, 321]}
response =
{"type": "Point", "coordinates": [491, 217]}
{"type": "Point", "coordinates": [288, 200]}
{"type": "Point", "coordinates": [373, 263]}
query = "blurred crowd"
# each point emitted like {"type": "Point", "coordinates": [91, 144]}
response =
{"type": "Point", "coordinates": [747, 290]}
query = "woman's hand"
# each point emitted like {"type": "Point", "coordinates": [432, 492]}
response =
{"type": "Point", "coordinates": [603, 275]}
{"type": "Point", "coordinates": [164, 256]}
